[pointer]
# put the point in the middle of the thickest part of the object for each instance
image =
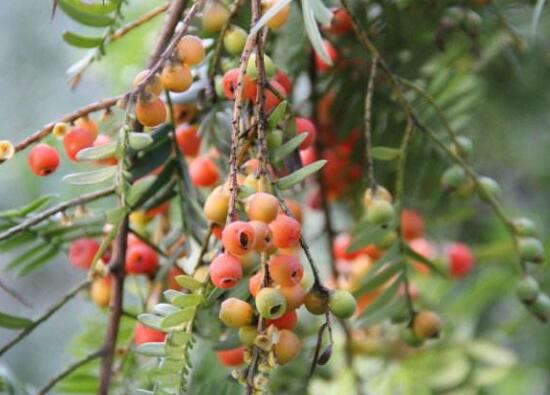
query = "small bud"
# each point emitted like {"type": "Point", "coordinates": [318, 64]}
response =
{"type": "Point", "coordinates": [60, 129]}
{"type": "Point", "coordinates": [6, 150]}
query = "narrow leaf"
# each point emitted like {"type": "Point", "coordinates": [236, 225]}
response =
{"type": "Point", "coordinates": [423, 260]}
{"type": "Point", "coordinates": [385, 153]}
{"type": "Point", "coordinates": [80, 41]}
{"type": "Point", "coordinates": [178, 318]}
{"type": "Point", "coordinates": [139, 141]}
{"type": "Point", "coordinates": [151, 349]}
{"type": "Point", "coordinates": [380, 278]}
{"type": "Point", "coordinates": [313, 33]}
{"type": "Point", "coordinates": [282, 151]}
{"type": "Point", "coordinates": [97, 153]}
{"type": "Point", "coordinates": [13, 322]}
{"type": "Point", "coordinates": [84, 16]}
{"type": "Point", "coordinates": [90, 177]}
{"type": "Point", "coordinates": [383, 299]}
{"type": "Point", "coordinates": [28, 208]}
{"type": "Point", "coordinates": [299, 175]}
{"type": "Point", "coordinates": [277, 114]}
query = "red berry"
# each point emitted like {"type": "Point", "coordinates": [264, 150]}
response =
{"type": "Point", "coordinates": [144, 334]}
{"type": "Point", "coordinates": [461, 260]}
{"type": "Point", "coordinates": [43, 160]}
{"type": "Point", "coordinates": [286, 270]}
{"type": "Point", "coordinates": [340, 23]}
{"type": "Point", "coordinates": [319, 63]}
{"type": "Point", "coordinates": [282, 78]}
{"type": "Point", "coordinates": [287, 321]}
{"type": "Point", "coordinates": [103, 139]}
{"type": "Point", "coordinates": [255, 284]}
{"type": "Point", "coordinates": [230, 81]}
{"type": "Point", "coordinates": [82, 252]}
{"type": "Point", "coordinates": [304, 125]}
{"type": "Point", "coordinates": [286, 231]}
{"type": "Point", "coordinates": [308, 155]}
{"type": "Point", "coordinates": [188, 139]}
{"type": "Point", "coordinates": [141, 259]}
{"type": "Point", "coordinates": [231, 357]}
{"type": "Point", "coordinates": [340, 247]}
{"type": "Point", "coordinates": [203, 172]}
{"type": "Point", "coordinates": [76, 140]}
{"type": "Point", "coordinates": [238, 238]}
{"type": "Point", "coordinates": [225, 271]}
{"type": "Point", "coordinates": [412, 224]}
{"type": "Point", "coordinates": [271, 100]}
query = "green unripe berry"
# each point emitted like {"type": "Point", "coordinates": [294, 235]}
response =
{"type": "Point", "coordinates": [247, 335]}
{"type": "Point", "coordinates": [380, 212]}
{"type": "Point", "coordinates": [317, 302]}
{"type": "Point", "coordinates": [490, 188]}
{"type": "Point", "coordinates": [387, 240]}
{"type": "Point", "coordinates": [464, 148]}
{"type": "Point", "coordinates": [401, 316]}
{"type": "Point", "coordinates": [252, 71]}
{"type": "Point", "coordinates": [531, 249]}
{"type": "Point", "coordinates": [234, 40]}
{"type": "Point", "coordinates": [541, 307]}
{"type": "Point", "coordinates": [453, 178]}
{"type": "Point", "coordinates": [342, 304]}
{"type": "Point", "coordinates": [527, 289]}
{"type": "Point", "coordinates": [218, 86]}
{"type": "Point", "coordinates": [270, 303]}
{"type": "Point", "coordinates": [274, 139]}
{"type": "Point", "coordinates": [410, 338]}
{"type": "Point", "coordinates": [525, 227]}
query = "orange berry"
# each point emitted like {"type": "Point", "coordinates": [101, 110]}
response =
{"type": "Point", "coordinates": [190, 50]}
{"type": "Point", "coordinates": [262, 236]}
{"type": "Point", "coordinates": [216, 205]}
{"type": "Point", "coordinates": [151, 112]}
{"type": "Point", "coordinates": [176, 77]}
{"type": "Point", "coordinates": [43, 159]}
{"type": "Point", "coordinates": [76, 140]}
{"type": "Point", "coordinates": [154, 86]}
{"type": "Point", "coordinates": [287, 321]}
{"type": "Point", "coordinates": [100, 291]}
{"type": "Point", "coordinates": [262, 206]}
{"type": "Point", "coordinates": [82, 252]}
{"type": "Point", "coordinates": [286, 270]}
{"type": "Point", "coordinates": [144, 334]}
{"type": "Point", "coordinates": [203, 172]}
{"type": "Point", "coordinates": [286, 231]}
{"type": "Point", "coordinates": [88, 124]}
{"type": "Point", "coordinates": [214, 16]}
{"type": "Point", "coordinates": [141, 259]}
{"type": "Point", "coordinates": [426, 324]}
{"type": "Point", "coordinates": [225, 271]}
{"type": "Point", "coordinates": [255, 283]}
{"type": "Point", "coordinates": [236, 313]}
{"type": "Point", "coordinates": [304, 125]}
{"type": "Point", "coordinates": [238, 238]}
{"type": "Point", "coordinates": [280, 18]}
{"type": "Point", "coordinates": [188, 139]}
{"type": "Point", "coordinates": [232, 357]}
{"type": "Point", "coordinates": [287, 347]}
{"type": "Point", "coordinates": [294, 296]}
{"type": "Point", "coordinates": [295, 209]}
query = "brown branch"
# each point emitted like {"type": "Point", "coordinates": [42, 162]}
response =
{"type": "Point", "coordinates": [173, 15]}
{"type": "Point", "coordinates": [139, 21]}
{"type": "Point", "coordinates": [69, 118]}
{"type": "Point", "coordinates": [368, 125]}
{"type": "Point", "coordinates": [118, 274]}
{"type": "Point", "coordinates": [82, 199]}
{"type": "Point", "coordinates": [14, 294]}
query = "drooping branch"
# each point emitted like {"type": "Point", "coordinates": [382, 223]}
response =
{"type": "Point", "coordinates": [69, 118]}
{"type": "Point", "coordinates": [82, 199]}
{"type": "Point", "coordinates": [53, 309]}
{"type": "Point", "coordinates": [70, 369]}
{"type": "Point", "coordinates": [121, 32]}
{"type": "Point", "coordinates": [173, 16]}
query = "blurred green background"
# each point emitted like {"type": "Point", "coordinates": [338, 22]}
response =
{"type": "Point", "coordinates": [510, 127]}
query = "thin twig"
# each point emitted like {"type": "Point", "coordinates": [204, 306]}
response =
{"type": "Point", "coordinates": [368, 125]}
{"type": "Point", "coordinates": [25, 332]}
{"type": "Point", "coordinates": [68, 370]}
{"type": "Point", "coordinates": [69, 118]}
{"type": "Point", "coordinates": [216, 53]}
{"type": "Point", "coordinates": [14, 294]}
{"type": "Point", "coordinates": [173, 15]}
{"type": "Point", "coordinates": [82, 199]}
{"type": "Point", "coordinates": [121, 32]}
